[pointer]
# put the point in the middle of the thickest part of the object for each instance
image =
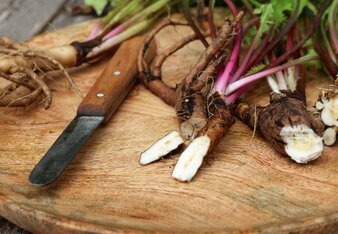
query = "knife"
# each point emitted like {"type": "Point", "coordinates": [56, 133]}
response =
{"type": "Point", "coordinates": [97, 107]}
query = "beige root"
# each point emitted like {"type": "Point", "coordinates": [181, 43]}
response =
{"type": "Point", "coordinates": [26, 69]}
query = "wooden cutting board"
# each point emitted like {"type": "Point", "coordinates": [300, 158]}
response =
{"type": "Point", "coordinates": [243, 187]}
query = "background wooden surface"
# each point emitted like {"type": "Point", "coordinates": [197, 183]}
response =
{"type": "Point", "coordinates": [243, 187]}
{"type": "Point", "coordinates": [22, 19]}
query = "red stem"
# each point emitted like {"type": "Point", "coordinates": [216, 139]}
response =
{"type": "Point", "coordinates": [254, 61]}
{"type": "Point", "coordinates": [301, 42]}
{"type": "Point", "coordinates": [289, 43]}
{"type": "Point", "coordinates": [247, 26]}
{"type": "Point", "coordinates": [254, 77]}
{"type": "Point", "coordinates": [243, 67]}
{"type": "Point", "coordinates": [212, 26]}
{"type": "Point", "coordinates": [232, 7]}
{"type": "Point", "coordinates": [232, 63]}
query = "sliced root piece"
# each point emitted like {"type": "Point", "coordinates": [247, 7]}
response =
{"type": "Point", "coordinates": [286, 124]}
{"type": "Point", "coordinates": [161, 148]}
{"type": "Point", "coordinates": [191, 159]}
{"type": "Point", "coordinates": [302, 143]}
{"type": "Point", "coordinates": [328, 106]}
{"type": "Point", "coordinates": [206, 141]}
{"type": "Point", "coordinates": [330, 136]}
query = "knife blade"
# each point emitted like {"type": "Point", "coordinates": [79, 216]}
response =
{"type": "Point", "coordinates": [96, 108]}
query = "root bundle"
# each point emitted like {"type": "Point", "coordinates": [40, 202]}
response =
{"type": "Point", "coordinates": [203, 116]}
{"type": "Point", "coordinates": [27, 71]}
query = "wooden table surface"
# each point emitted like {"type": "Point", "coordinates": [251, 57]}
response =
{"type": "Point", "coordinates": [22, 19]}
{"type": "Point", "coordinates": [276, 199]}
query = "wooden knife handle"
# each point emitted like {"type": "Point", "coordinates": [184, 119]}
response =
{"type": "Point", "coordinates": [115, 82]}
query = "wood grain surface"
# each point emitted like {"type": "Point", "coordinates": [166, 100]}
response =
{"type": "Point", "coordinates": [243, 187]}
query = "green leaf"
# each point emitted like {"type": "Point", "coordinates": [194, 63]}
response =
{"type": "Point", "coordinates": [98, 5]}
{"type": "Point", "coordinates": [255, 3]}
{"type": "Point", "coordinates": [247, 40]}
{"type": "Point", "coordinates": [312, 52]}
{"type": "Point", "coordinates": [311, 7]}
{"type": "Point", "coordinates": [278, 11]}
{"type": "Point", "coordinates": [279, 8]}
{"type": "Point", "coordinates": [255, 69]}
{"type": "Point", "coordinates": [267, 18]}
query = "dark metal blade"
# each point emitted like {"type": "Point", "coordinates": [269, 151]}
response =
{"type": "Point", "coordinates": [64, 149]}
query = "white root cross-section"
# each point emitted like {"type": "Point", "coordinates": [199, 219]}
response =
{"type": "Point", "coordinates": [161, 148]}
{"type": "Point", "coordinates": [302, 143]}
{"type": "Point", "coordinates": [329, 110]}
{"type": "Point", "coordinates": [328, 107]}
{"type": "Point", "coordinates": [330, 135]}
{"type": "Point", "coordinates": [191, 159]}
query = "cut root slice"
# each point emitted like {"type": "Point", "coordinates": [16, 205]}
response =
{"type": "Point", "coordinates": [302, 143]}
{"type": "Point", "coordinates": [191, 159]}
{"type": "Point", "coordinates": [287, 125]}
{"type": "Point", "coordinates": [329, 113]}
{"type": "Point", "coordinates": [161, 148]}
{"type": "Point", "coordinates": [330, 136]}
{"type": "Point", "coordinates": [328, 105]}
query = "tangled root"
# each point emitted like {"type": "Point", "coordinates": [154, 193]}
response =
{"type": "Point", "coordinates": [203, 115]}
{"type": "Point", "coordinates": [190, 97]}
{"type": "Point", "coordinates": [26, 71]}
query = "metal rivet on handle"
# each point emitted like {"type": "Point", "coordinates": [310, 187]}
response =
{"type": "Point", "coordinates": [100, 95]}
{"type": "Point", "coordinates": [116, 73]}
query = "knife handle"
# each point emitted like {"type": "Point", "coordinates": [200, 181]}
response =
{"type": "Point", "coordinates": [115, 82]}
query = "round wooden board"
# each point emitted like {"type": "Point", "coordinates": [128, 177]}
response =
{"type": "Point", "coordinates": [243, 187]}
